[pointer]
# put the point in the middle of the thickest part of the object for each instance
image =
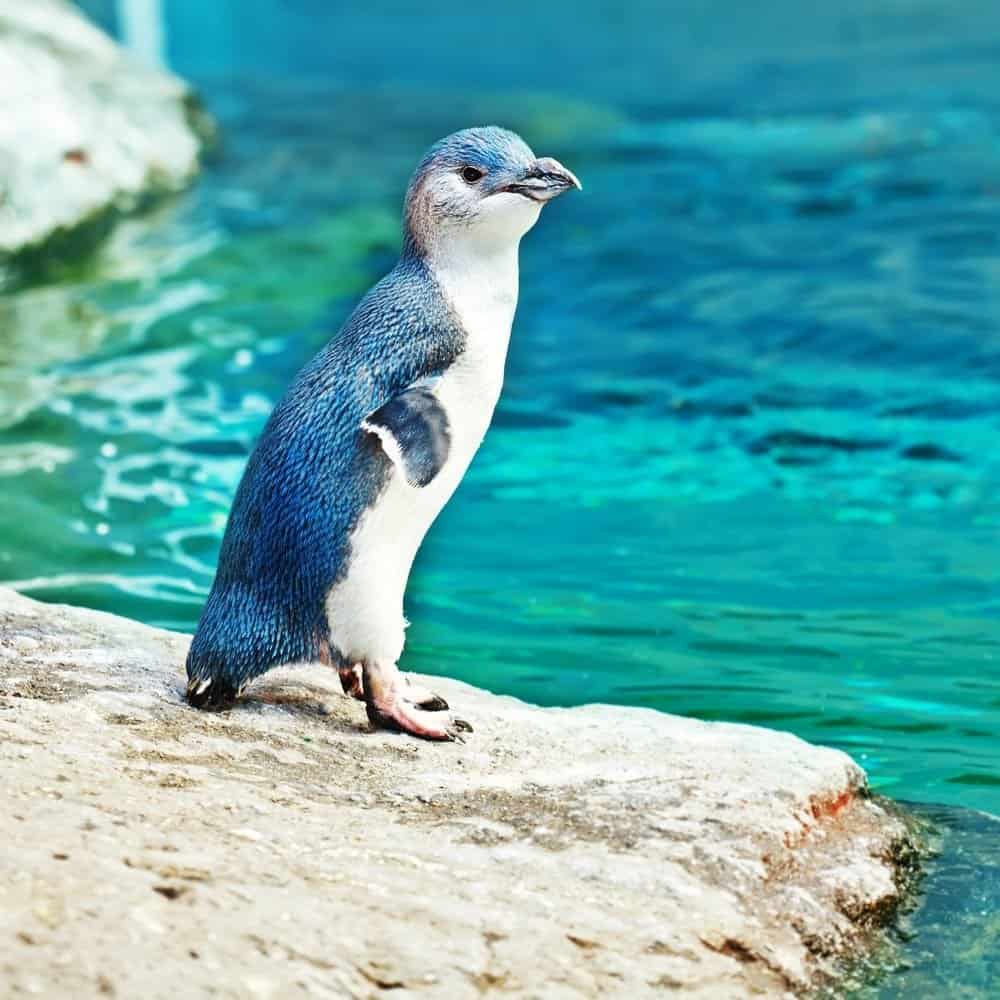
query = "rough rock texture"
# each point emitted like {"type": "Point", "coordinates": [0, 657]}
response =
{"type": "Point", "coordinates": [85, 131]}
{"type": "Point", "coordinates": [283, 850]}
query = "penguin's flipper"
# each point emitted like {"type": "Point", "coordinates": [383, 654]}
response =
{"type": "Point", "coordinates": [414, 432]}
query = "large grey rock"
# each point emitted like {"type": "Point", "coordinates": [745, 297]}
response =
{"type": "Point", "coordinates": [283, 850]}
{"type": "Point", "coordinates": [85, 133]}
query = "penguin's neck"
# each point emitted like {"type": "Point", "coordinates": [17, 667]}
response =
{"type": "Point", "coordinates": [480, 283]}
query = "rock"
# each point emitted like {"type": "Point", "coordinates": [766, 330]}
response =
{"type": "Point", "coordinates": [86, 132]}
{"type": "Point", "coordinates": [283, 850]}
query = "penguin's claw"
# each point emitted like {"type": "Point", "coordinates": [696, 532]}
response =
{"type": "Point", "coordinates": [426, 700]}
{"type": "Point", "coordinates": [390, 700]}
{"type": "Point", "coordinates": [461, 726]}
{"type": "Point", "coordinates": [433, 703]}
{"type": "Point", "coordinates": [399, 715]}
{"type": "Point", "coordinates": [457, 728]}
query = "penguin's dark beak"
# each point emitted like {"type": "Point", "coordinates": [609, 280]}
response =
{"type": "Point", "coordinates": [544, 180]}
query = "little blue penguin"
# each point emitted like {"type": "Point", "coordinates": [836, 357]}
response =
{"type": "Point", "coordinates": [371, 440]}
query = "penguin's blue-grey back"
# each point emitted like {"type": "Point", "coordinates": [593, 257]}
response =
{"type": "Point", "coordinates": [312, 475]}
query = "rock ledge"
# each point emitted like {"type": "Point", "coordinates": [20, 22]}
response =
{"type": "Point", "coordinates": [86, 133]}
{"type": "Point", "coordinates": [282, 850]}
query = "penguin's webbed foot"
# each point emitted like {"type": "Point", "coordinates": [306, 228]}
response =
{"type": "Point", "coordinates": [404, 718]}
{"type": "Point", "coordinates": [388, 698]}
{"type": "Point", "coordinates": [352, 681]}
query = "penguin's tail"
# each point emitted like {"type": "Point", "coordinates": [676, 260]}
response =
{"type": "Point", "coordinates": [210, 682]}
{"type": "Point", "coordinates": [211, 693]}
{"type": "Point", "coordinates": [239, 638]}
{"type": "Point", "coordinates": [223, 657]}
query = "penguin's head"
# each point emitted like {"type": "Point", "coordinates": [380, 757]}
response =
{"type": "Point", "coordinates": [481, 186]}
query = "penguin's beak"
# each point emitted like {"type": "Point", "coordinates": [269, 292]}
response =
{"type": "Point", "coordinates": [544, 180]}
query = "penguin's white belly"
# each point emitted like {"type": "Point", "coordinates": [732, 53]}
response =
{"type": "Point", "coordinates": [365, 608]}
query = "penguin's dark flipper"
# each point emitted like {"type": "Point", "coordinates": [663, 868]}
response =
{"type": "Point", "coordinates": [213, 695]}
{"type": "Point", "coordinates": [414, 432]}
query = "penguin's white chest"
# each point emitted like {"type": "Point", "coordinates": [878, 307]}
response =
{"type": "Point", "coordinates": [365, 608]}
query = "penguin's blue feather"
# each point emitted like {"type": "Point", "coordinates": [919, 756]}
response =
{"type": "Point", "coordinates": [418, 427]}
{"type": "Point", "coordinates": [487, 147]}
{"type": "Point", "coordinates": [313, 474]}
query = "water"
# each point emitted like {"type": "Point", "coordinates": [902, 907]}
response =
{"type": "Point", "coordinates": [745, 465]}
{"type": "Point", "coordinates": [949, 946]}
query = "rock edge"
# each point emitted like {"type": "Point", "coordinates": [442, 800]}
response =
{"type": "Point", "coordinates": [87, 134]}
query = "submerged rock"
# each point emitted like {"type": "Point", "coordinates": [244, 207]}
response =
{"type": "Point", "coordinates": [86, 132]}
{"type": "Point", "coordinates": [282, 849]}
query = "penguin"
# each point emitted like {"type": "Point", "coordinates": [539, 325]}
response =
{"type": "Point", "coordinates": [371, 440]}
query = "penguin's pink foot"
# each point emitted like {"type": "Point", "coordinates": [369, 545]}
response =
{"type": "Point", "coordinates": [399, 715]}
{"type": "Point", "coordinates": [389, 707]}
{"type": "Point", "coordinates": [351, 680]}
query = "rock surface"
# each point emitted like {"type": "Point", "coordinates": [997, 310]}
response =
{"type": "Point", "coordinates": [85, 132]}
{"type": "Point", "coordinates": [283, 850]}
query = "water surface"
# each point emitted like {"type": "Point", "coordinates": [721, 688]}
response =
{"type": "Point", "coordinates": [745, 465]}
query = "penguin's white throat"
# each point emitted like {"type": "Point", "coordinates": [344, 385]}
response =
{"type": "Point", "coordinates": [480, 280]}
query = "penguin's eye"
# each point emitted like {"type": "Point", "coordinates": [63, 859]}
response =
{"type": "Point", "coordinates": [472, 174]}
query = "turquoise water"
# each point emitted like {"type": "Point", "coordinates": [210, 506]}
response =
{"type": "Point", "coordinates": [745, 465]}
{"type": "Point", "coordinates": [948, 946]}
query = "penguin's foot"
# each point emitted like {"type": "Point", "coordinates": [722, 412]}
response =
{"type": "Point", "coordinates": [352, 681]}
{"type": "Point", "coordinates": [388, 699]}
{"type": "Point", "coordinates": [399, 715]}
{"type": "Point", "coordinates": [422, 697]}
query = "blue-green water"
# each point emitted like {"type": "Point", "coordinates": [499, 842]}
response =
{"type": "Point", "coordinates": [948, 948]}
{"type": "Point", "coordinates": [745, 465]}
